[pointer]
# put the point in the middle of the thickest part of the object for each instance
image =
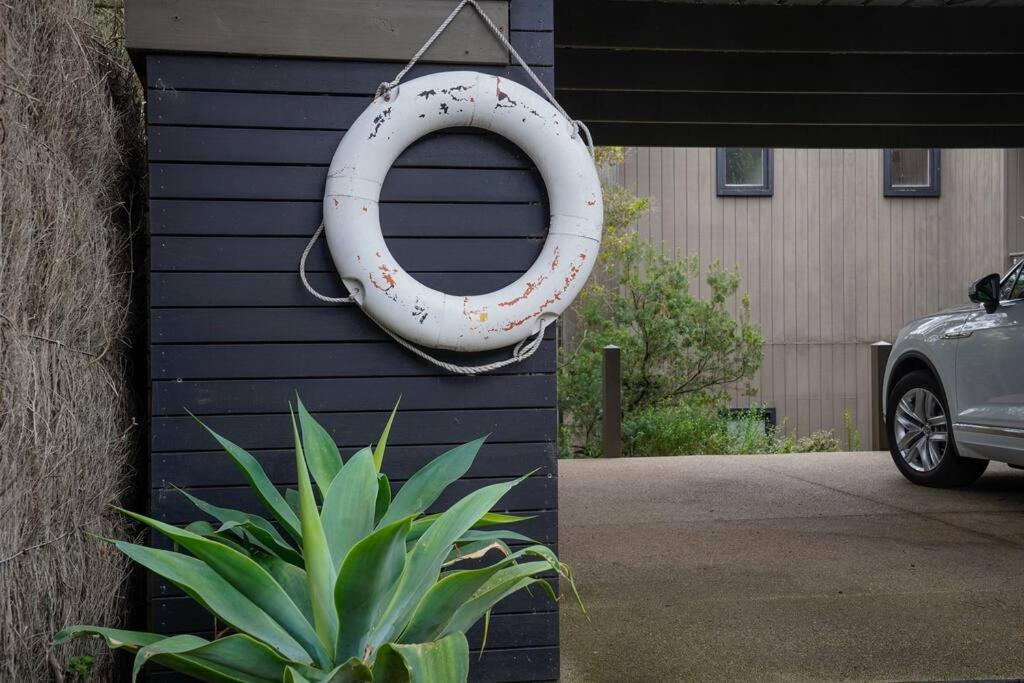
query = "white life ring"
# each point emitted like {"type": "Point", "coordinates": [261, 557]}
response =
{"type": "Point", "coordinates": [384, 289]}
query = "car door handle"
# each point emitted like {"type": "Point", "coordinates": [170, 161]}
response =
{"type": "Point", "coordinates": [960, 333]}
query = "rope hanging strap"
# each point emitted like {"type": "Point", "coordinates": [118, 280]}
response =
{"type": "Point", "coordinates": [526, 347]}
{"type": "Point", "coordinates": [385, 88]}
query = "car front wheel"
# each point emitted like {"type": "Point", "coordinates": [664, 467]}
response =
{"type": "Point", "coordinates": [920, 437]}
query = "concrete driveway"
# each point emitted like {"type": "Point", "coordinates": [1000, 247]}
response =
{"type": "Point", "coordinates": [789, 568]}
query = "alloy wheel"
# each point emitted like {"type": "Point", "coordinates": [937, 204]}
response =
{"type": "Point", "coordinates": [921, 429]}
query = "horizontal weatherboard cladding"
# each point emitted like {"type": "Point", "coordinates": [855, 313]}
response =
{"type": "Point", "coordinates": [202, 181]}
{"type": "Point", "coordinates": [434, 219]}
{"type": "Point", "coordinates": [238, 151]}
{"type": "Point", "coordinates": [215, 468]}
{"type": "Point", "coordinates": [414, 427]}
{"type": "Point", "coordinates": [219, 289]}
{"type": "Point", "coordinates": [322, 395]}
{"type": "Point", "coordinates": [252, 74]}
{"type": "Point", "coordinates": [259, 146]}
{"type": "Point", "coordinates": [278, 254]}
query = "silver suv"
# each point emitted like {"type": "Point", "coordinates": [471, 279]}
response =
{"type": "Point", "coordinates": [954, 387]}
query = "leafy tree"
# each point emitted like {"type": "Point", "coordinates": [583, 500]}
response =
{"type": "Point", "coordinates": [675, 345]}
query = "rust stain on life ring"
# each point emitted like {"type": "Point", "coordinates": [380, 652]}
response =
{"type": "Point", "coordinates": [530, 288]}
{"type": "Point", "coordinates": [574, 271]}
{"type": "Point", "coordinates": [478, 315]}
{"type": "Point", "coordinates": [388, 274]}
{"type": "Point", "coordinates": [386, 290]}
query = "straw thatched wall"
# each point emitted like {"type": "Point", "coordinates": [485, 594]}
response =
{"type": "Point", "coordinates": [70, 135]}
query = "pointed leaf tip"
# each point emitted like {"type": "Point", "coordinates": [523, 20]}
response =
{"type": "Point", "coordinates": [378, 452]}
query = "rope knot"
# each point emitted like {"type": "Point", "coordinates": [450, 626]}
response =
{"type": "Point", "coordinates": [384, 90]}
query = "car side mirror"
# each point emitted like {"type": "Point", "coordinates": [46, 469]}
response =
{"type": "Point", "coordinates": [986, 291]}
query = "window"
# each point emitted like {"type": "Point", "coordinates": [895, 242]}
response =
{"type": "Point", "coordinates": [1012, 287]}
{"type": "Point", "coordinates": [744, 172]}
{"type": "Point", "coordinates": [911, 173]}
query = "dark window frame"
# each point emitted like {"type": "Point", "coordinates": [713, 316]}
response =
{"type": "Point", "coordinates": [765, 189]}
{"type": "Point", "coordinates": [1012, 279]}
{"type": "Point", "coordinates": [934, 187]}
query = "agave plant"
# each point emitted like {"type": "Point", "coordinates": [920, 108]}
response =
{"type": "Point", "coordinates": [343, 583]}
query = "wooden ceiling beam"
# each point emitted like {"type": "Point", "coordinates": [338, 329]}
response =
{"type": "Point", "coordinates": [619, 24]}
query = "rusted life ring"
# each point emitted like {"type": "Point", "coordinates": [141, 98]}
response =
{"type": "Point", "coordinates": [384, 289]}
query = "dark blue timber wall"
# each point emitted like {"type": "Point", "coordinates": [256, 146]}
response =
{"type": "Point", "coordinates": [238, 153]}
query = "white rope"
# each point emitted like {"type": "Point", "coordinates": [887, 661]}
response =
{"type": "Point", "coordinates": [305, 282]}
{"type": "Point", "coordinates": [526, 347]}
{"type": "Point", "coordinates": [520, 352]}
{"type": "Point", "coordinates": [385, 88]}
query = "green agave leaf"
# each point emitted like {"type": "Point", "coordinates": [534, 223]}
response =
{"type": "Point", "coordinates": [352, 671]}
{"type": "Point", "coordinates": [207, 530]}
{"type": "Point", "coordinates": [293, 676]}
{"type": "Point", "coordinates": [383, 498]}
{"type": "Point", "coordinates": [201, 527]}
{"type": "Point", "coordinates": [173, 645]}
{"type": "Point", "coordinates": [237, 657]}
{"type": "Point", "coordinates": [369, 572]}
{"type": "Point", "coordinates": [114, 637]}
{"type": "Point", "coordinates": [504, 583]}
{"type": "Point", "coordinates": [424, 487]}
{"type": "Point", "coordinates": [490, 519]}
{"type": "Point", "coordinates": [378, 452]}
{"type": "Point", "coordinates": [442, 660]}
{"type": "Point", "coordinates": [456, 588]}
{"type": "Point", "coordinates": [225, 515]}
{"type": "Point", "coordinates": [260, 483]}
{"type": "Point", "coordinates": [319, 568]}
{"type": "Point", "coordinates": [322, 454]}
{"type": "Point", "coordinates": [260, 530]}
{"type": "Point", "coordinates": [258, 537]}
{"type": "Point", "coordinates": [291, 578]}
{"type": "Point", "coordinates": [349, 506]}
{"type": "Point", "coordinates": [496, 535]}
{"type": "Point", "coordinates": [249, 578]}
{"type": "Point", "coordinates": [291, 496]}
{"type": "Point", "coordinates": [425, 559]}
{"type": "Point", "coordinates": [475, 550]}
{"type": "Point", "coordinates": [216, 595]}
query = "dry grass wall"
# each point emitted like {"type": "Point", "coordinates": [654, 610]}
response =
{"type": "Point", "coordinates": [70, 138]}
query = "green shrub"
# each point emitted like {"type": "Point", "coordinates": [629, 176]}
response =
{"type": "Point", "coordinates": [703, 426]}
{"type": "Point", "coordinates": [749, 433]}
{"type": "Point", "coordinates": [349, 585]}
{"type": "Point", "coordinates": [676, 346]}
{"type": "Point", "coordinates": [821, 441]}
{"type": "Point", "coordinates": [689, 428]}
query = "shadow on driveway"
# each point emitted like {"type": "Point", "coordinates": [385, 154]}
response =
{"type": "Point", "coordinates": [789, 567]}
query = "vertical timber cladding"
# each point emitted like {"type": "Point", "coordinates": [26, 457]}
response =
{"type": "Point", "coordinates": [238, 151]}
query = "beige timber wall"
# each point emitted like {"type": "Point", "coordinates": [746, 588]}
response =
{"type": "Point", "coordinates": [830, 265]}
{"type": "Point", "coordinates": [1014, 202]}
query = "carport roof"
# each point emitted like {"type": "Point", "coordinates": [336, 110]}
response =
{"type": "Point", "coordinates": [818, 73]}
